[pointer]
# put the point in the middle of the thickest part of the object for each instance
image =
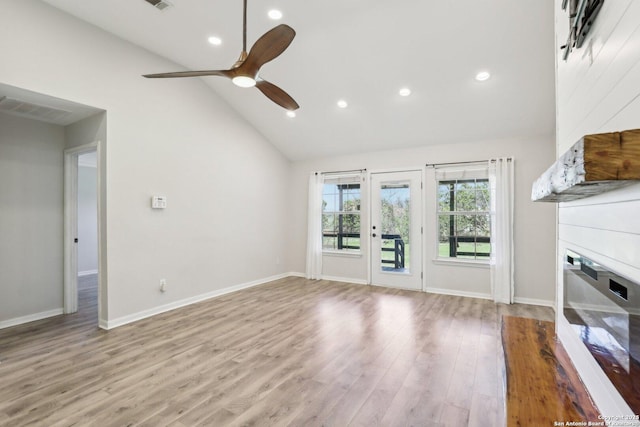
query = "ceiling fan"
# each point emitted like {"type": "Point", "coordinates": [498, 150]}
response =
{"type": "Point", "coordinates": [244, 72]}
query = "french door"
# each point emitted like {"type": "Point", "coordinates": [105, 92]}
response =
{"type": "Point", "coordinates": [396, 229]}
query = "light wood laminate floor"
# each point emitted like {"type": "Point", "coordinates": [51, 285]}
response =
{"type": "Point", "coordinates": [291, 352]}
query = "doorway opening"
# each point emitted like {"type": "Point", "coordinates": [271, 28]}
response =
{"type": "Point", "coordinates": [396, 229]}
{"type": "Point", "coordinates": [81, 232]}
{"type": "Point", "coordinates": [45, 175]}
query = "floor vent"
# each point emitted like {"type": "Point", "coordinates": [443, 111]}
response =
{"type": "Point", "coordinates": [33, 111]}
{"type": "Point", "coordinates": [159, 4]}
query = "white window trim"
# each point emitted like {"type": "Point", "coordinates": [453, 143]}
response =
{"type": "Point", "coordinates": [477, 171]}
{"type": "Point", "coordinates": [349, 253]}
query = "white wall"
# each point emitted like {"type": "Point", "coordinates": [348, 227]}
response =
{"type": "Point", "coordinates": [31, 219]}
{"type": "Point", "coordinates": [87, 219]}
{"type": "Point", "coordinates": [534, 249]}
{"type": "Point", "coordinates": [226, 185]}
{"type": "Point", "coordinates": [592, 97]}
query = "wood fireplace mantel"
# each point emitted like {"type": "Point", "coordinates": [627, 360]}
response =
{"type": "Point", "coordinates": [593, 165]}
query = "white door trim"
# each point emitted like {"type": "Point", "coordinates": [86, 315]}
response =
{"type": "Point", "coordinates": [71, 224]}
{"type": "Point", "coordinates": [420, 262]}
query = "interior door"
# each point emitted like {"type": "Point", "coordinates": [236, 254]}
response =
{"type": "Point", "coordinates": [396, 229]}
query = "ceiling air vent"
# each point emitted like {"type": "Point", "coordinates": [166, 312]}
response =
{"type": "Point", "coordinates": [159, 4]}
{"type": "Point", "coordinates": [32, 111]}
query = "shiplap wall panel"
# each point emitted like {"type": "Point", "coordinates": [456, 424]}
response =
{"type": "Point", "coordinates": [596, 97]}
{"type": "Point", "coordinates": [572, 72]}
{"type": "Point", "coordinates": [609, 20]}
{"type": "Point", "coordinates": [627, 115]}
{"type": "Point", "coordinates": [620, 96]}
{"type": "Point", "coordinates": [621, 217]}
{"type": "Point", "coordinates": [611, 82]}
{"type": "Point", "coordinates": [610, 244]}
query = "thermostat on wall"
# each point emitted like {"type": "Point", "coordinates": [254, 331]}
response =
{"type": "Point", "coordinates": [158, 202]}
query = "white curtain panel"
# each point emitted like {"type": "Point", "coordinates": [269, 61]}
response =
{"type": "Point", "coordinates": [501, 180]}
{"type": "Point", "coordinates": [314, 227]}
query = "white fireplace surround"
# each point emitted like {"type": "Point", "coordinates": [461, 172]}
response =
{"type": "Point", "coordinates": [597, 91]}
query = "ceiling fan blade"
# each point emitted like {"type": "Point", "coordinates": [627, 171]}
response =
{"type": "Point", "coordinates": [268, 47]}
{"type": "Point", "coordinates": [224, 73]}
{"type": "Point", "coordinates": [277, 95]}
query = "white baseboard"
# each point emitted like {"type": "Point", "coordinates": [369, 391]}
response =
{"type": "Point", "coordinates": [345, 280]}
{"type": "Point", "coordinates": [87, 273]}
{"type": "Point", "coordinates": [331, 278]}
{"type": "Point", "coordinates": [30, 318]}
{"type": "Point", "coordinates": [533, 301]}
{"type": "Point", "coordinates": [110, 324]}
{"type": "Point", "coordinates": [103, 324]}
{"type": "Point", "coordinates": [456, 293]}
{"type": "Point", "coordinates": [517, 300]}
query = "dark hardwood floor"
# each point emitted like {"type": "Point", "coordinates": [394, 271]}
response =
{"type": "Point", "coordinates": [291, 352]}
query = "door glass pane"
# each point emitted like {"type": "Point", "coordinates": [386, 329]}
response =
{"type": "Point", "coordinates": [395, 199]}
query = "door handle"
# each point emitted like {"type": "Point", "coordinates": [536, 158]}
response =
{"type": "Point", "coordinates": [373, 235]}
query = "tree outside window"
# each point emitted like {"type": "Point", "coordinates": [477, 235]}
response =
{"type": "Point", "coordinates": [464, 221]}
{"type": "Point", "coordinates": [341, 216]}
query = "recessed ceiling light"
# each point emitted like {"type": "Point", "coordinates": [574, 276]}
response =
{"type": "Point", "coordinates": [291, 114]}
{"type": "Point", "coordinates": [342, 103]}
{"type": "Point", "coordinates": [216, 41]}
{"type": "Point", "coordinates": [482, 76]}
{"type": "Point", "coordinates": [274, 14]}
{"type": "Point", "coordinates": [405, 91]}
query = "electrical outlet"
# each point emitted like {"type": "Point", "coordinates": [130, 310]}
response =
{"type": "Point", "coordinates": [163, 285]}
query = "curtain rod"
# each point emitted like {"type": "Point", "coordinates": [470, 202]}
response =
{"type": "Point", "coordinates": [338, 172]}
{"type": "Point", "coordinates": [465, 163]}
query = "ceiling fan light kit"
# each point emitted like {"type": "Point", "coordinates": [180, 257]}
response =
{"type": "Point", "coordinates": [244, 73]}
{"type": "Point", "coordinates": [243, 81]}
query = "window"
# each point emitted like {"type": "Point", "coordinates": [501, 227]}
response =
{"type": "Point", "coordinates": [341, 214]}
{"type": "Point", "coordinates": [464, 219]}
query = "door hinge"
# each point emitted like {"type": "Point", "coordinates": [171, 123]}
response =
{"type": "Point", "coordinates": [422, 275]}
{"type": "Point", "coordinates": [421, 187]}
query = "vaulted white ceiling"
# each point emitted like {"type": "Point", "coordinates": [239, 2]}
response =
{"type": "Point", "coordinates": [363, 51]}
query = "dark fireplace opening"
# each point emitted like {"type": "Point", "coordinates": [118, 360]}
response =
{"type": "Point", "coordinates": [604, 310]}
